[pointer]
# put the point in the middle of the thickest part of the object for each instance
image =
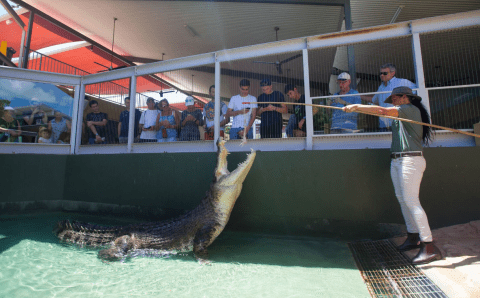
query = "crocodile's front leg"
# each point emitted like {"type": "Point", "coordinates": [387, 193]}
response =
{"type": "Point", "coordinates": [203, 238]}
{"type": "Point", "coordinates": [120, 248]}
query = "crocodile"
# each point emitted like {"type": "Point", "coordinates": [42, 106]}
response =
{"type": "Point", "coordinates": [195, 230]}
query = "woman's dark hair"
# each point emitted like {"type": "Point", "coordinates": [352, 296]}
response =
{"type": "Point", "coordinates": [427, 130]}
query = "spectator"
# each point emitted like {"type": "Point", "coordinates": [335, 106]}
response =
{"type": "Point", "coordinates": [123, 123]}
{"type": "Point", "coordinates": [296, 124]}
{"type": "Point", "coordinates": [271, 114]}
{"type": "Point", "coordinates": [45, 135]}
{"type": "Point", "coordinates": [243, 114]}
{"type": "Point", "coordinates": [10, 128]}
{"type": "Point", "coordinates": [40, 119]}
{"type": "Point", "coordinates": [209, 116]}
{"type": "Point", "coordinates": [96, 122]}
{"type": "Point", "coordinates": [191, 120]}
{"type": "Point", "coordinates": [58, 125]}
{"type": "Point", "coordinates": [168, 121]}
{"type": "Point", "coordinates": [148, 122]}
{"type": "Point", "coordinates": [389, 82]}
{"type": "Point", "coordinates": [342, 122]}
{"type": "Point", "coordinates": [407, 167]}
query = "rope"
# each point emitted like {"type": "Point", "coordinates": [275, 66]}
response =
{"type": "Point", "coordinates": [373, 114]}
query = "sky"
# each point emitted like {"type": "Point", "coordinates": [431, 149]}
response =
{"type": "Point", "coordinates": [3, 11]}
{"type": "Point", "coordinates": [24, 93]}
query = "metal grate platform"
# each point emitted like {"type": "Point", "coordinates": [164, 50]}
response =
{"type": "Point", "coordinates": [388, 273]}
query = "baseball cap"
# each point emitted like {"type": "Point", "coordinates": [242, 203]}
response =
{"type": "Point", "coordinates": [150, 99]}
{"type": "Point", "coordinates": [8, 108]}
{"type": "Point", "coordinates": [343, 76]}
{"type": "Point", "coordinates": [189, 101]}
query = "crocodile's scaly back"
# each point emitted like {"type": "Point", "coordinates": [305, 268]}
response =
{"type": "Point", "coordinates": [196, 229]}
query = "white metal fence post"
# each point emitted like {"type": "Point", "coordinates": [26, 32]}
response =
{"type": "Point", "coordinates": [308, 100]}
{"type": "Point", "coordinates": [419, 74]}
{"type": "Point", "coordinates": [76, 134]}
{"type": "Point", "coordinates": [217, 104]}
{"type": "Point", "coordinates": [76, 102]}
{"type": "Point", "coordinates": [131, 116]}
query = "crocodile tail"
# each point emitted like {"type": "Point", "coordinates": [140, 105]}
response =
{"type": "Point", "coordinates": [84, 234]}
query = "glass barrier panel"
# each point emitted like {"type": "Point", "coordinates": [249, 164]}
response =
{"type": "Point", "coordinates": [456, 107]}
{"type": "Point", "coordinates": [451, 58]}
{"type": "Point", "coordinates": [380, 66]}
{"type": "Point", "coordinates": [34, 112]}
{"type": "Point", "coordinates": [173, 110]}
{"type": "Point", "coordinates": [265, 79]}
{"type": "Point", "coordinates": [104, 103]}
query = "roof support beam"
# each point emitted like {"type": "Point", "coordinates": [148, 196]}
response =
{"type": "Point", "coordinates": [13, 14]}
{"type": "Point", "coordinates": [81, 36]}
{"type": "Point", "coordinates": [295, 2]}
{"type": "Point", "coordinates": [20, 23]}
{"type": "Point", "coordinates": [350, 49]}
{"type": "Point", "coordinates": [29, 39]}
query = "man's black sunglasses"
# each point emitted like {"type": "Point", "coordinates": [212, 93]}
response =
{"type": "Point", "coordinates": [384, 73]}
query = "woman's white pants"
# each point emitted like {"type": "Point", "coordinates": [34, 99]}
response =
{"type": "Point", "coordinates": [407, 173]}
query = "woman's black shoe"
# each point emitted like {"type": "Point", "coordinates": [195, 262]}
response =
{"type": "Point", "coordinates": [428, 253]}
{"type": "Point", "coordinates": [412, 242]}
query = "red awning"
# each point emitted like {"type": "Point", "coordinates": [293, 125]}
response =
{"type": "Point", "coordinates": [44, 34]}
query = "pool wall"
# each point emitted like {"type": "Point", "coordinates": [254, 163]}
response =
{"type": "Point", "coordinates": [342, 192]}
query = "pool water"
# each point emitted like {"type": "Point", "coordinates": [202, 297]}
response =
{"type": "Point", "coordinates": [34, 264]}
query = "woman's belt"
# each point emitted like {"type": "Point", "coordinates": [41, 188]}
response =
{"type": "Point", "coordinates": [403, 154]}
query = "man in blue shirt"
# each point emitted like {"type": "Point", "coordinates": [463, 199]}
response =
{"type": "Point", "coordinates": [389, 82]}
{"type": "Point", "coordinates": [123, 123]}
{"type": "Point", "coordinates": [344, 122]}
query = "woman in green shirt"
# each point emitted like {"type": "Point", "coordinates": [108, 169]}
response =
{"type": "Point", "coordinates": [407, 166]}
{"type": "Point", "coordinates": [10, 128]}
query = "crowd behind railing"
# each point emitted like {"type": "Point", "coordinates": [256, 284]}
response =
{"type": "Point", "coordinates": [159, 122]}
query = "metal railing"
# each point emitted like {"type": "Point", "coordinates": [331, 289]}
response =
{"type": "Point", "coordinates": [104, 90]}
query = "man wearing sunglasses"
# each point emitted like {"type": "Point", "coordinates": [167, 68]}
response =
{"type": "Point", "coordinates": [389, 82]}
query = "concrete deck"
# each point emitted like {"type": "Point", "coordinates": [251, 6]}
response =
{"type": "Point", "coordinates": [458, 273]}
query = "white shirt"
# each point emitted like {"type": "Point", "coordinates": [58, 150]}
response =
{"type": "Point", "coordinates": [148, 119]}
{"type": "Point", "coordinates": [235, 104]}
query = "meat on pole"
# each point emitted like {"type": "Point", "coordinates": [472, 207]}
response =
{"type": "Point", "coordinates": [373, 114]}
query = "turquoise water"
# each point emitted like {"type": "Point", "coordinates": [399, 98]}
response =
{"type": "Point", "coordinates": [34, 264]}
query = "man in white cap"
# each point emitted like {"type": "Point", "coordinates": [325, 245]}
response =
{"type": "Point", "coordinates": [192, 118]}
{"type": "Point", "coordinates": [343, 122]}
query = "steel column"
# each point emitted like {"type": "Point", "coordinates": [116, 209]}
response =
{"type": "Point", "coordinates": [29, 39]}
